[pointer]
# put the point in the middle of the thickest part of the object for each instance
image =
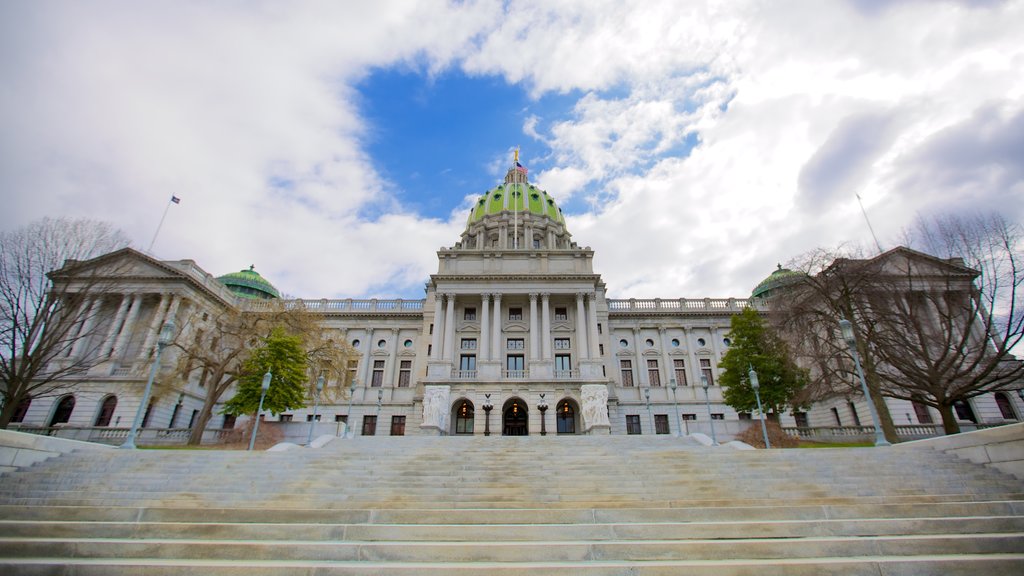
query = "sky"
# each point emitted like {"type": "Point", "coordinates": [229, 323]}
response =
{"type": "Point", "coordinates": [336, 146]}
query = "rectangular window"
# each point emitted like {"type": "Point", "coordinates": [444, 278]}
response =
{"type": "Point", "coordinates": [469, 314]}
{"type": "Point", "coordinates": [653, 374]}
{"type": "Point", "coordinates": [404, 372]}
{"type": "Point", "coordinates": [680, 368]}
{"type": "Point", "coordinates": [563, 362]}
{"type": "Point", "coordinates": [689, 416]}
{"type": "Point", "coordinates": [353, 367]}
{"type": "Point", "coordinates": [286, 417]}
{"type": "Point", "coordinates": [174, 415]}
{"type": "Point", "coordinates": [515, 313]}
{"type": "Point", "coordinates": [627, 372]}
{"type": "Point", "coordinates": [149, 411]}
{"type": "Point", "coordinates": [192, 419]}
{"type": "Point", "coordinates": [369, 425]}
{"type": "Point", "coordinates": [599, 329]}
{"type": "Point", "coordinates": [309, 417]}
{"type": "Point", "coordinates": [561, 313]}
{"type": "Point", "coordinates": [600, 349]}
{"type": "Point", "coordinates": [378, 374]}
{"type": "Point", "coordinates": [398, 425]}
{"type": "Point", "coordinates": [516, 343]}
{"type": "Point", "coordinates": [561, 343]}
{"type": "Point", "coordinates": [515, 362]}
{"type": "Point", "coordinates": [341, 418]}
{"type": "Point", "coordinates": [229, 422]}
{"type": "Point", "coordinates": [835, 414]}
{"type": "Point", "coordinates": [633, 424]}
{"type": "Point", "coordinates": [430, 349]}
{"type": "Point", "coordinates": [469, 343]}
{"type": "Point", "coordinates": [467, 362]}
{"type": "Point", "coordinates": [705, 370]}
{"type": "Point", "coordinates": [922, 413]}
{"type": "Point", "coordinates": [853, 411]}
{"type": "Point", "coordinates": [661, 424]}
{"type": "Point", "coordinates": [718, 416]}
{"type": "Point", "coordinates": [431, 331]}
{"type": "Point", "coordinates": [801, 419]}
{"type": "Point", "coordinates": [744, 416]}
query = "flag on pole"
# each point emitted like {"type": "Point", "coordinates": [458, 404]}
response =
{"type": "Point", "coordinates": [175, 199]}
{"type": "Point", "coordinates": [521, 168]}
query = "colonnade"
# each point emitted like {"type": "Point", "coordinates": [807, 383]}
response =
{"type": "Point", "coordinates": [123, 326]}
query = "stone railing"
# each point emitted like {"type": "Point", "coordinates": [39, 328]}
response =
{"type": "Point", "coordinates": [463, 374]}
{"type": "Point", "coordinates": [866, 433]}
{"type": "Point", "coordinates": [680, 305]}
{"type": "Point", "coordinates": [116, 436]}
{"type": "Point", "coordinates": [566, 374]}
{"type": "Point", "coordinates": [515, 374]}
{"type": "Point", "coordinates": [326, 306]}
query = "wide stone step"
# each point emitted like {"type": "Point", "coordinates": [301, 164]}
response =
{"type": "Point", "coordinates": [946, 564]}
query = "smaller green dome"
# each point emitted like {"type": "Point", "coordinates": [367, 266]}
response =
{"type": "Point", "coordinates": [780, 278]}
{"type": "Point", "coordinates": [249, 284]}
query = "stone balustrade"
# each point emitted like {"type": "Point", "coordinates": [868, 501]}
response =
{"type": "Point", "coordinates": [678, 305]}
{"type": "Point", "coordinates": [327, 306]}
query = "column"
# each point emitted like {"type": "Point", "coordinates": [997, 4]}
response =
{"type": "Point", "coordinates": [129, 326]}
{"type": "Point", "coordinates": [694, 368]}
{"type": "Point", "coordinates": [641, 365]}
{"type": "Point", "coordinates": [485, 327]}
{"type": "Point", "coordinates": [534, 330]}
{"type": "Point", "coordinates": [435, 338]}
{"type": "Point", "coordinates": [368, 359]}
{"type": "Point", "coordinates": [595, 351]}
{"type": "Point", "coordinates": [88, 321]}
{"type": "Point", "coordinates": [496, 328]}
{"type": "Point", "coordinates": [108, 341]}
{"type": "Point", "coordinates": [393, 359]}
{"type": "Point", "coordinates": [154, 326]}
{"type": "Point", "coordinates": [581, 326]}
{"type": "Point", "coordinates": [668, 371]}
{"type": "Point", "coordinates": [545, 334]}
{"type": "Point", "coordinates": [449, 328]}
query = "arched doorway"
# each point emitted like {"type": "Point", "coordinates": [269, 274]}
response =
{"type": "Point", "coordinates": [565, 417]}
{"type": "Point", "coordinates": [514, 418]}
{"type": "Point", "coordinates": [63, 412]}
{"type": "Point", "coordinates": [463, 417]}
{"type": "Point", "coordinates": [1005, 407]}
{"type": "Point", "coordinates": [106, 411]}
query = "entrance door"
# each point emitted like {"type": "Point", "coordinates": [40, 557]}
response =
{"type": "Point", "coordinates": [514, 419]}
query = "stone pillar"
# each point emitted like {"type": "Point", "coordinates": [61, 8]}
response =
{"type": "Point", "coordinates": [496, 329]}
{"type": "Point", "coordinates": [129, 326]}
{"type": "Point", "coordinates": [155, 324]}
{"type": "Point", "coordinates": [368, 358]}
{"type": "Point", "coordinates": [393, 359]}
{"type": "Point", "coordinates": [581, 326]}
{"type": "Point", "coordinates": [449, 328]}
{"type": "Point", "coordinates": [668, 370]}
{"type": "Point", "coordinates": [641, 364]}
{"type": "Point", "coordinates": [545, 334]}
{"type": "Point", "coordinates": [435, 338]}
{"type": "Point", "coordinates": [85, 326]}
{"type": "Point", "coordinates": [595, 351]}
{"type": "Point", "coordinates": [115, 325]}
{"type": "Point", "coordinates": [485, 327]}
{"type": "Point", "coordinates": [534, 329]}
{"type": "Point", "coordinates": [694, 368]}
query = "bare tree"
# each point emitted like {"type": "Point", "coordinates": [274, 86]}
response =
{"type": "Point", "coordinates": [946, 334]}
{"type": "Point", "coordinates": [46, 322]}
{"type": "Point", "coordinates": [217, 349]}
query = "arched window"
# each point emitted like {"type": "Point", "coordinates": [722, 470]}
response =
{"type": "Point", "coordinates": [22, 409]}
{"type": "Point", "coordinates": [464, 418]}
{"type": "Point", "coordinates": [63, 412]}
{"type": "Point", "coordinates": [106, 411]}
{"type": "Point", "coordinates": [565, 417]}
{"type": "Point", "coordinates": [923, 415]}
{"type": "Point", "coordinates": [1005, 407]}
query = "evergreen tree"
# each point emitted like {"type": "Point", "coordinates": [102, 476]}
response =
{"type": "Point", "coordinates": [755, 344]}
{"type": "Point", "coordinates": [283, 355]}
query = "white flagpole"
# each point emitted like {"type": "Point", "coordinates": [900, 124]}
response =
{"type": "Point", "coordinates": [160, 225]}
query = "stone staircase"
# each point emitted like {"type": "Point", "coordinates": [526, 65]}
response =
{"type": "Point", "coordinates": [498, 505]}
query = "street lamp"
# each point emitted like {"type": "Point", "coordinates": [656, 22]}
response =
{"type": "Point", "coordinates": [851, 341]}
{"type": "Point", "coordinates": [316, 401]}
{"type": "Point", "coordinates": [543, 407]}
{"type": "Point", "coordinates": [650, 417]}
{"type": "Point", "coordinates": [487, 411]}
{"type": "Point", "coordinates": [757, 394]}
{"type": "Point", "coordinates": [263, 394]}
{"type": "Point", "coordinates": [380, 396]}
{"type": "Point", "coordinates": [675, 406]}
{"type": "Point", "coordinates": [165, 339]}
{"type": "Point", "coordinates": [707, 400]}
{"type": "Point", "coordinates": [349, 433]}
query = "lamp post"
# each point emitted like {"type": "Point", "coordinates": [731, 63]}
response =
{"type": "Point", "coordinates": [487, 414]}
{"type": "Point", "coordinates": [543, 407]}
{"type": "Point", "coordinates": [165, 339]}
{"type": "Point", "coordinates": [756, 385]}
{"type": "Point", "coordinates": [851, 341]}
{"type": "Point", "coordinates": [316, 401]}
{"type": "Point", "coordinates": [707, 401]}
{"type": "Point", "coordinates": [650, 417]}
{"type": "Point", "coordinates": [263, 394]}
{"type": "Point", "coordinates": [675, 407]}
{"type": "Point", "coordinates": [380, 397]}
{"type": "Point", "coordinates": [349, 433]}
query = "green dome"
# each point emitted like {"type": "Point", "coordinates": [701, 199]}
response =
{"type": "Point", "coordinates": [780, 278]}
{"type": "Point", "coordinates": [249, 284]}
{"type": "Point", "coordinates": [515, 196]}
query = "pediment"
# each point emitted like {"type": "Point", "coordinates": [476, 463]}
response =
{"type": "Point", "coordinates": [126, 262]}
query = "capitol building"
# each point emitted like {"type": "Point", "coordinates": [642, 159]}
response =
{"type": "Point", "coordinates": [515, 336]}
